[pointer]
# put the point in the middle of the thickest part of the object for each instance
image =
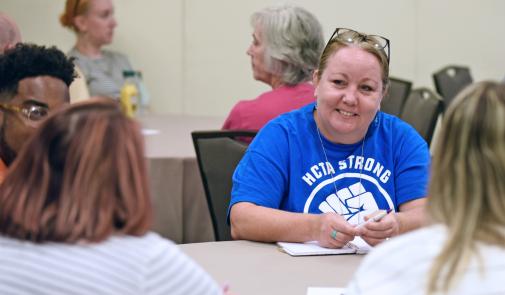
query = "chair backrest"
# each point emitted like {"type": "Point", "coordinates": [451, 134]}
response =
{"type": "Point", "coordinates": [218, 153]}
{"type": "Point", "coordinates": [421, 110]}
{"type": "Point", "coordinates": [394, 101]}
{"type": "Point", "coordinates": [450, 80]}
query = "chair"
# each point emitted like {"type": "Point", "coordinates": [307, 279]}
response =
{"type": "Point", "coordinates": [395, 99]}
{"type": "Point", "coordinates": [421, 110]}
{"type": "Point", "coordinates": [450, 80]}
{"type": "Point", "coordinates": [218, 153]}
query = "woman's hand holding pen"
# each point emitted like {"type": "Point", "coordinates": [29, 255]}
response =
{"type": "Point", "coordinates": [334, 231]}
{"type": "Point", "coordinates": [377, 231]}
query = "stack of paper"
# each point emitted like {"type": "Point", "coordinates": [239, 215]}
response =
{"type": "Point", "coordinates": [357, 246]}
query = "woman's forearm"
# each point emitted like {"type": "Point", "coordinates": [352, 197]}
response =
{"type": "Point", "coordinates": [252, 222]}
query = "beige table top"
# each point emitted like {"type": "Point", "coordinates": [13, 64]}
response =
{"type": "Point", "coordinates": [260, 268]}
{"type": "Point", "coordinates": [169, 136]}
{"type": "Point", "coordinates": [180, 207]}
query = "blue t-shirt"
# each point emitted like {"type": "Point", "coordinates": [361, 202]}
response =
{"type": "Point", "coordinates": [285, 168]}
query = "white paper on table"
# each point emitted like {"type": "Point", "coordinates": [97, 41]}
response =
{"type": "Point", "coordinates": [146, 131]}
{"type": "Point", "coordinates": [357, 246]}
{"type": "Point", "coordinates": [325, 291]}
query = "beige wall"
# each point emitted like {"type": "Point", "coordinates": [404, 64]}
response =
{"type": "Point", "coordinates": [192, 52]}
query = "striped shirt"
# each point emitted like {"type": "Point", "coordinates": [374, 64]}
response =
{"type": "Point", "coordinates": [104, 75]}
{"type": "Point", "coordinates": [402, 265]}
{"type": "Point", "coordinates": [119, 265]}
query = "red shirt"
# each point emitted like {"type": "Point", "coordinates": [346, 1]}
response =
{"type": "Point", "coordinates": [254, 114]}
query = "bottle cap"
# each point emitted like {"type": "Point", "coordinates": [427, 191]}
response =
{"type": "Point", "coordinates": [127, 74]}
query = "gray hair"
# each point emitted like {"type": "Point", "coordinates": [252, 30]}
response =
{"type": "Point", "coordinates": [293, 39]}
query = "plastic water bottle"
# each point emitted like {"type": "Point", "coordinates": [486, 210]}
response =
{"type": "Point", "coordinates": [129, 95]}
{"type": "Point", "coordinates": [143, 103]}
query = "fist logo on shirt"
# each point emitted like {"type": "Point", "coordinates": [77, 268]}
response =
{"type": "Point", "coordinates": [353, 203]}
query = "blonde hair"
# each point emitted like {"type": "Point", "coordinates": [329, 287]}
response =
{"type": "Point", "coordinates": [73, 8]}
{"type": "Point", "coordinates": [467, 191]}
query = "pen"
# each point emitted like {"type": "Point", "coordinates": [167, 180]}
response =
{"type": "Point", "coordinates": [379, 214]}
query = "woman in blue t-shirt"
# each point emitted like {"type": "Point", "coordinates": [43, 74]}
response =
{"type": "Point", "coordinates": [318, 172]}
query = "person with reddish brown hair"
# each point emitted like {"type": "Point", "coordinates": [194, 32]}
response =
{"type": "Point", "coordinates": [93, 22]}
{"type": "Point", "coordinates": [75, 213]}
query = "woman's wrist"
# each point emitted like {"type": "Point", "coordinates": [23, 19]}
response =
{"type": "Point", "coordinates": [315, 226]}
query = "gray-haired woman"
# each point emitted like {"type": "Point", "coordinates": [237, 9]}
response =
{"type": "Point", "coordinates": [287, 43]}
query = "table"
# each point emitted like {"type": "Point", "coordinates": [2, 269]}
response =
{"type": "Point", "coordinates": [180, 207]}
{"type": "Point", "coordinates": [260, 268]}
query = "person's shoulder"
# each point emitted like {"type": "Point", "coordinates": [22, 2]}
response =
{"type": "Point", "coordinates": [304, 112]}
{"type": "Point", "coordinates": [400, 254]}
{"type": "Point", "coordinates": [243, 105]}
{"type": "Point", "coordinates": [304, 89]}
{"type": "Point", "coordinates": [73, 52]}
{"type": "Point", "coordinates": [108, 52]}
{"type": "Point", "coordinates": [265, 98]}
{"type": "Point", "coordinates": [284, 127]}
{"type": "Point", "coordinates": [295, 117]}
{"type": "Point", "coordinates": [421, 242]}
{"type": "Point", "coordinates": [237, 113]}
{"type": "Point", "coordinates": [247, 105]}
{"type": "Point", "coordinates": [111, 54]}
{"type": "Point", "coordinates": [81, 60]}
{"type": "Point", "coordinates": [154, 238]}
{"type": "Point", "coordinates": [151, 243]}
{"type": "Point", "coordinates": [392, 121]}
{"type": "Point", "coordinates": [399, 262]}
{"type": "Point", "coordinates": [266, 95]}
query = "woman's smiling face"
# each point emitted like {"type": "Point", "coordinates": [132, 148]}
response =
{"type": "Point", "coordinates": [348, 94]}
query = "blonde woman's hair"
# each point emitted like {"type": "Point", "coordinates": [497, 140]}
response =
{"type": "Point", "coordinates": [467, 191]}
